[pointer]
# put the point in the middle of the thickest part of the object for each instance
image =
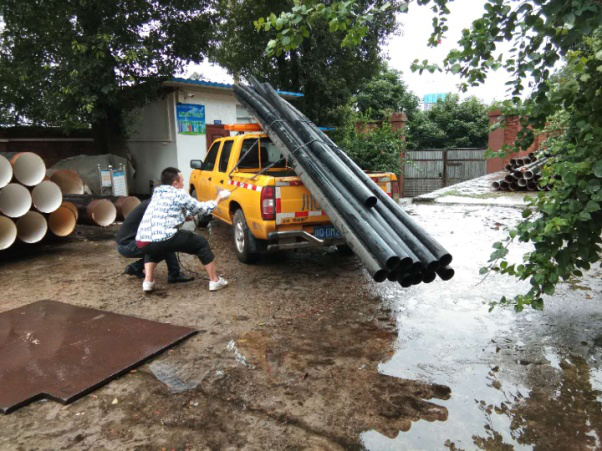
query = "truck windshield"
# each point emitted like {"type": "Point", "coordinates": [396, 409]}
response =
{"type": "Point", "coordinates": [263, 153]}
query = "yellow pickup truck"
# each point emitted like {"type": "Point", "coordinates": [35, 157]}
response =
{"type": "Point", "coordinates": [271, 209]}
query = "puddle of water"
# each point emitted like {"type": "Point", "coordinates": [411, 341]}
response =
{"type": "Point", "coordinates": [517, 380]}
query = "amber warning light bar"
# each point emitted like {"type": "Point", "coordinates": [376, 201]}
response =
{"type": "Point", "coordinates": [243, 127]}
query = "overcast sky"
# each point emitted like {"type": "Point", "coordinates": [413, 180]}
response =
{"type": "Point", "coordinates": [412, 44]}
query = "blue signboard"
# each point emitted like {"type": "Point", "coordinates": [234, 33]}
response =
{"type": "Point", "coordinates": [217, 121]}
{"type": "Point", "coordinates": [191, 118]}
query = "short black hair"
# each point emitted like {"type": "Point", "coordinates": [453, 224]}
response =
{"type": "Point", "coordinates": [169, 175]}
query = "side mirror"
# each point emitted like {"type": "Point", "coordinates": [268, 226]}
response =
{"type": "Point", "coordinates": [196, 164]}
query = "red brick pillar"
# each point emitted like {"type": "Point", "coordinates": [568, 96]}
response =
{"type": "Point", "coordinates": [506, 136]}
{"type": "Point", "coordinates": [398, 122]}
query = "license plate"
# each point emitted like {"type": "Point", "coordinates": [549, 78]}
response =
{"type": "Point", "coordinates": [326, 232]}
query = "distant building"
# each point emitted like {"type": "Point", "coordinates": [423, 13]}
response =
{"type": "Point", "coordinates": [430, 99]}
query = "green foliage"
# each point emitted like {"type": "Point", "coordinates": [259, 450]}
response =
{"type": "Point", "coordinates": [450, 123]}
{"type": "Point", "coordinates": [72, 63]}
{"type": "Point", "coordinates": [375, 148]}
{"type": "Point", "coordinates": [384, 94]}
{"type": "Point", "coordinates": [353, 19]}
{"type": "Point", "coordinates": [327, 75]}
{"type": "Point", "coordinates": [564, 225]}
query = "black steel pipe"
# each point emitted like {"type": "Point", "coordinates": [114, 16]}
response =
{"type": "Point", "coordinates": [428, 277]}
{"type": "Point", "coordinates": [428, 241]}
{"type": "Point", "coordinates": [406, 280]}
{"type": "Point", "coordinates": [394, 229]}
{"type": "Point", "coordinates": [396, 274]}
{"type": "Point", "coordinates": [416, 278]}
{"type": "Point", "coordinates": [373, 244]}
{"type": "Point", "coordinates": [445, 273]}
{"type": "Point", "coordinates": [375, 221]}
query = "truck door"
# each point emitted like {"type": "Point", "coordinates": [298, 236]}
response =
{"type": "Point", "coordinates": [206, 189]}
{"type": "Point", "coordinates": [221, 179]}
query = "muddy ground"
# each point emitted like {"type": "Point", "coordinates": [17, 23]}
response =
{"type": "Point", "coordinates": [304, 351]}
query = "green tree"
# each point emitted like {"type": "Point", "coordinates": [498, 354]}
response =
{"type": "Point", "coordinates": [74, 63]}
{"type": "Point", "coordinates": [565, 225]}
{"type": "Point", "coordinates": [374, 149]}
{"type": "Point", "coordinates": [326, 74]}
{"type": "Point", "coordinates": [384, 94]}
{"type": "Point", "coordinates": [450, 123]}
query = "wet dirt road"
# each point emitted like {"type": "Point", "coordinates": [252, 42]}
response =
{"type": "Point", "coordinates": [305, 351]}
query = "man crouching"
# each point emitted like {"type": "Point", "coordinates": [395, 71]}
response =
{"type": "Point", "coordinates": [159, 232]}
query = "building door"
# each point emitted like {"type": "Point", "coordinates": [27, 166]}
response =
{"type": "Point", "coordinates": [215, 131]}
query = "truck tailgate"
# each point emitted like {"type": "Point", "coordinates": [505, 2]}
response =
{"type": "Point", "coordinates": [295, 204]}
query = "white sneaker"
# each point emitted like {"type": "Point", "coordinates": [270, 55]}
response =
{"type": "Point", "coordinates": [221, 283]}
{"type": "Point", "coordinates": [147, 287]}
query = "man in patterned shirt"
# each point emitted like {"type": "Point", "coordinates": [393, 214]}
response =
{"type": "Point", "coordinates": [159, 231]}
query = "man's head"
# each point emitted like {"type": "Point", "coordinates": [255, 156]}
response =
{"type": "Point", "coordinates": [172, 177]}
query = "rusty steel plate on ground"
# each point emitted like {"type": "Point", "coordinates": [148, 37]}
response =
{"type": "Point", "coordinates": [53, 350]}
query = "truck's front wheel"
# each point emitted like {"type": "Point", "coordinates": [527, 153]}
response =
{"type": "Point", "coordinates": [242, 239]}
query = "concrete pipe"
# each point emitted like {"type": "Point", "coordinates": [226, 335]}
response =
{"type": "Point", "coordinates": [15, 200]}
{"type": "Point", "coordinates": [125, 205]}
{"type": "Point", "coordinates": [71, 206]}
{"type": "Point", "coordinates": [62, 222]}
{"type": "Point", "coordinates": [6, 172]}
{"type": "Point", "coordinates": [8, 232]}
{"type": "Point", "coordinates": [28, 168]}
{"type": "Point", "coordinates": [47, 197]}
{"type": "Point", "coordinates": [101, 212]}
{"type": "Point", "coordinates": [69, 181]}
{"type": "Point", "coordinates": [31, 227]}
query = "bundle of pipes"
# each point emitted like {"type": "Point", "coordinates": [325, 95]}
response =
{"type": "Point", "coordinates": [29, 204]}
{"type": "Point", "coordinates": [384, 237]}
{"type": "Point", "coordinates": [103, 210]}
{"type": "Point", "coordinates": [523, 175]}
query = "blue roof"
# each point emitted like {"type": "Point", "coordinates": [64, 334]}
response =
{"type": "Point", "coordinates": [212, 84]}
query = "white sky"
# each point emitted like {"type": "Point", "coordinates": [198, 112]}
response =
{"type": "Point", "coordinates": [413, 44]}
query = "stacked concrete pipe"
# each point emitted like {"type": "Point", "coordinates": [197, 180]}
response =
{"type": "Point", "coordinates": [6, 171]}
{"type": "Point", "coordinates": [8, 232]}
{"type": "Point", "coordinates": [523, 175]}
{"type": "Point", "coordinates": [30, 203]}
{"type": "Point", "coordinates": [94, 210]}
{"type": "Point", "coordinates": [68, 181]}
{"type": "Point", "coordinates": [28, 168]}
{"type": "Point", "coordinates": [31, 227]}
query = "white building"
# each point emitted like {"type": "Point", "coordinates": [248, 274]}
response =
{"type": "Point", "coordinates": [181, 127]}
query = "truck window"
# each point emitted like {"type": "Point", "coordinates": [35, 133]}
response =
{"type": "Point", "coordinates": [251, 161]}
{"type": "Point", "coordinates": [270, 154]}
{"type": "Point", "coordinates": [209, 162]}
{"type": "Point", "coordinates": [267, 151]}
{"type": "Point", "coordinates": [225, 156]}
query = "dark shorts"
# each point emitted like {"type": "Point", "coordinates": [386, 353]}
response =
{"type": "Point", "coordinates": [183, 241]}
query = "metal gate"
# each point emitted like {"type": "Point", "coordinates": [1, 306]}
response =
{"type": "Point", "coordinates": [433, 169]}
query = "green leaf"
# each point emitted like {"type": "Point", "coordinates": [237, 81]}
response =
{"type": "Point", "coordinates": [597, 169]}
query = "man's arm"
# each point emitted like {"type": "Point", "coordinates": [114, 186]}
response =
{"type": "Point", "coordinates": [194, 206]}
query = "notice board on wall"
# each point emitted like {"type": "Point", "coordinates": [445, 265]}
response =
{"type": "Point", "coordinates": [191, 118]}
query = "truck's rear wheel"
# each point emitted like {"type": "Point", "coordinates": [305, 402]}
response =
{"type": "Point", "coordinates": [200, 221]}
{"type": "Point", "coordinates": [242, 239]}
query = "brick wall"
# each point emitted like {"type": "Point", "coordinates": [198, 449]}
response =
{"type": "Point", "coordinates": [506, 136]}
